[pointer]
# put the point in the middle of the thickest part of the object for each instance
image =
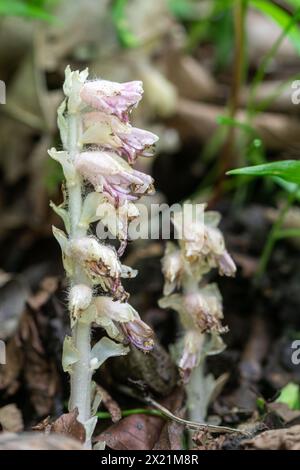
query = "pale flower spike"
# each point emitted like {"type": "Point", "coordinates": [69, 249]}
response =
{"type": "Point", "coordinates": [198, 303]}
{"type": "Point", "coordinates": [97, 113]}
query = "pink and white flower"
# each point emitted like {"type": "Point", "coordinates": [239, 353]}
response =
{"type": "Point", "coordinates": [110, 133]}
{"type": "Point", "coordinates": [112, 97]}
{"type": "Point", "coordinates": [110, 174]}
{"type": "Point", "coordinates": [122, 322]}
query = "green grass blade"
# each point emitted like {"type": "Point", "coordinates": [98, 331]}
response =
{"type": "Point", "coordinates": [289, 170]}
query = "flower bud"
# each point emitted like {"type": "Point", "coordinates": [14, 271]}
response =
{"type": "Point", "coordinates": [172, 268]}
{"type": "Point", "coordinates": [193, 344]}
{"type": "Point", "coordinates": [226, 264]}
{"type": "Point", "coordinates": [74, 81]}
{"type": "Point", "coordinates": [80, 298]}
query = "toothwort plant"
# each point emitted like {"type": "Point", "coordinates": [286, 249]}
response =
{"type": "Point", "coordinates": [99, 148]}
{"type": "Point", "coordinates": [198, 303]}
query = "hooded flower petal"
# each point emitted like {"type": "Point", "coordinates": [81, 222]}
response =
{"type": "Point", "coordinates": [137, 143]}
{"type": "Point", "coordinates": [74, 81]}
{"type": "Point", "coordinates": [100, 263]}
{"type": "Point", "coordinates": [139, 334]}
{"type": "Point", "coordinates": [200, 309]}
{"type": "Point", "coordinates": [111, 97]}
{"type": "Point", "coordinates": [110, 173]}
{"type": "Point", "coordinates": [112, 134]}
{"type": "Point", "coordinates": [172, 268]}
{"type": "Point", "coordinates": [226, 264]}
{"type": "Point", "coordinates": [117, 219]}
{"type": "Point", "coordinates": [202, 242]}
{"type": "Point", "coordinates": [128, 320]}
{"type": "Point", "coordinates": [192, 348]}
{"type": "Point", "coordinates": [205, 307]}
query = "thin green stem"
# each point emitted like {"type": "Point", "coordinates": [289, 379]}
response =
{"type": "Point", "coordinates": [228, 152]}
{"type": "Point", "coordinates": [134, 411]}
{"type": "Point", "coordinates": [273, 237]}
{"type": "Point", "coordinates": [288, 233]}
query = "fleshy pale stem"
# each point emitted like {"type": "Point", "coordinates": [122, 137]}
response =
{"type": "Point", "coordinates": [81, 376]}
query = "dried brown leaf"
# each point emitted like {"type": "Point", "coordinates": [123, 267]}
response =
{"type": "Point", "coordinates": [284, 412]}
{"type": "Point", "coordinates": [136, 432]}
{"type": "Point", "coordinates": [142, 432]}
{"type": "Point", "coordinates": [277, 439]}
{"type": "Point", "coordinates": [68, 425]}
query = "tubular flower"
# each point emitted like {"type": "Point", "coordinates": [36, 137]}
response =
{"type": "Point", "coordinates": [121, 320]}
{"type": "Point", "coordinates": [101, 265]}
{"type": "Point", "coordinates": [110, 174]}
{"type": "Point", "coordinates": [205, 307]}
{"type": "Point", "coordinates": [110, 133]}
{"type": "Point", "coordinates": [200, 310]}
{"type": "Point", "coordinates": [203, 243]}
{"type": "Point", "coordinates": [192, 346]}
{"type": "Point", "coordinates": [113, 98]}
{"type": "Point", "coordinates": [172, 268]}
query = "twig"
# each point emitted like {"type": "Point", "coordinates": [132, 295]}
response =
{"type": "Point", "coordinates": [193, 424]}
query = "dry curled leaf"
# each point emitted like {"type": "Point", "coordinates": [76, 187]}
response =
{"type": "Point", "coordinates": [284, 412]}
{"type": "Point", "coordinates": [68, 425]}
{"type": "Point", "coordinates": [43, 426]}
{"type": "Point", "coordinates": [205, 441]}
{"type": "Point", "coordinates": [277, 439]}
{"type": "Point", "coordinates": [40, 371]}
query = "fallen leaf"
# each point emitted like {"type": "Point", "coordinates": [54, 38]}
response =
{"type": "Point", "coordinates": [284, 412]}
{"type": "Point", "coordinates": [43, 426]}
{"type": "Point", "coordinates": [135, 432]}
{"type": "Point", "coordinates": [205, 441]}
{"type": "Point", "coordinates": [142, 432]}
{"type": "Point", "coordinates": [277, 439]}
{"type": "Point", "coordinates": [68, 425]}
{"type": "Point", "coordinates": [40, 371]}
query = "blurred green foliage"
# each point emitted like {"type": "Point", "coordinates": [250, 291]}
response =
{"type": "Point", "coordinates": [35, 9]}
{"type": "Point", "coordinates": [290, 395]}
{"type": "Point", "coordinates": [118, 13]}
